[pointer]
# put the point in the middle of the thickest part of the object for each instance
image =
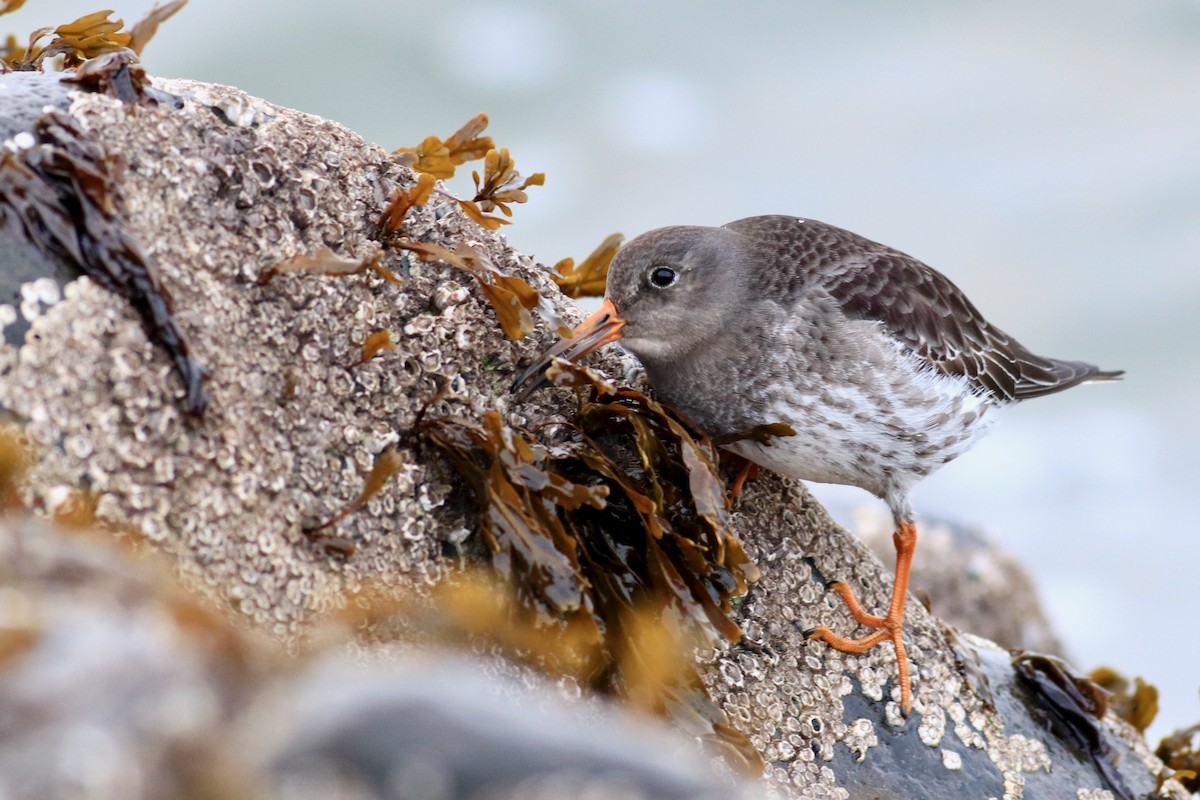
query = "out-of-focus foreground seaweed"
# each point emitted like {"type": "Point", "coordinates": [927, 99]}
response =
{"type": "Point", "coordinates": [13, 463]}
{"type": "Point", "coordinates": [613, 537]}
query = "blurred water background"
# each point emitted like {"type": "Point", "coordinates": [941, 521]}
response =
{"type": "Point", "coordinates": [1046, 156]}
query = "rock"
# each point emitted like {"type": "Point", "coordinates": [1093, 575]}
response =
{"type": "Point", "coordinates": [115, 683]}
{"type": "Point", "coordinates": [26, 95]}
{"type": "Point", "coordinates": [218, 187]}
{"type": "Point", "coordinates": [830, 721]}
{"type": "Point", "coordinates": [439, 727]}
{"type": "Point", "coordinates": [110, 674]}
{"type": "Point", "coordinates": [292, 428]}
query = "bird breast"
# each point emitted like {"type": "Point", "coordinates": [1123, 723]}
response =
{"type": "Point", "coordinates": [882, 441]}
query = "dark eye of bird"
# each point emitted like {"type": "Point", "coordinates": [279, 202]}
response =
{"type": "Point", "coordinates": [662, 277]}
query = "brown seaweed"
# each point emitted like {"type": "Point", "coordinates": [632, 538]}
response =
{"type": "Point", "coordinates": [1181, 752]}
{"type": "Point", "coordinates": [405, 198]}
{"type": "Point", "coordinates": [114, 74]}
{"type": "Point", "coordinates": [438, 158]}
{"type": "Point", "coordinates": [589, 278]}
{"type": "Point", "coordinates": [14, 461]}
{"type": "Point", "coordinates": [1074, 708]}
{"type": "Point", "coordinates": [375, 344]}
{"type": "Point", "coordinates": [499, 187]}
{"type": "Point", "coordinates": [142, 32]}
{"type": "Point", "coordinates": [61, 195]}
{"type": "Point", "coordinates": [1136, 703]}
{"type": "Point", "coordinates": [88, 37]}
{"type": "Point", "coordinates": [510, 297]}
{"type": "Point", "coordinates": [614, 531]}
{"type": "Point", "coordinates": [762, 434]}
{"type": "Point", "coordinates": [387, 464]}
{"type": "Point", "coordinates": [322, 262]}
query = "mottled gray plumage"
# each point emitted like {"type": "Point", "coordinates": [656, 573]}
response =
{"type": "Point", "coordinates": [882, 366]}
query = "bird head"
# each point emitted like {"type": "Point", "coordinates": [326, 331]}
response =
{"type": "Point", "coordinates": [668, 292]}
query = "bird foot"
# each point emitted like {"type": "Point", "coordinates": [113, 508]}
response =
{"type": "Point", "coordinates": [889, 628]}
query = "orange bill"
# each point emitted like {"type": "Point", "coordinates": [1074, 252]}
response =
{"type": "Point", "coordinates": [593, 333]}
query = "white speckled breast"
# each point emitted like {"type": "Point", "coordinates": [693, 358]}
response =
{"type": "Point", "coordinates": [875, 440]}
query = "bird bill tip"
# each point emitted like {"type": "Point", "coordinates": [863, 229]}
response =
{"type": "Point", "coordinates": [601, 328]}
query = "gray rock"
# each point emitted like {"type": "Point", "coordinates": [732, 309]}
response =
{"type": "Point", "coordinates": [104, 684]}
{"type": "Point", "coordinates": [441, 728]}
{"type": "Point", "coordinates": [26, 96]}
{"type": "Point", "coordinates": [115, 683]}
{"type": "Point", "coordinates": [226, 186]}
{"type": "Point", "coordinates": [831, 720]}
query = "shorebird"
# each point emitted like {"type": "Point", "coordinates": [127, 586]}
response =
{"type": "Point", "coordinates": [882, 367]}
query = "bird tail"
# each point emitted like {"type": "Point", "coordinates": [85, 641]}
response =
{"type": "Point", "coordinates": [1042, 376]}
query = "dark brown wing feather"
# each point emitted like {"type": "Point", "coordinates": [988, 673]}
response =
{"type": "Point", "coordinates": [917, 305]}
{"type": "Point", "coordinates": [932, 317]}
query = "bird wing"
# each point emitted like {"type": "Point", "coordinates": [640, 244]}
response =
{"type": "Point", "coordinates": [932, 317]}
{"type": "Point", "coordinates": [915, 303]}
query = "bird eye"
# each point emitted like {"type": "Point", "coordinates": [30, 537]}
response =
{"type": "Point", "coordinates": [662, 277]}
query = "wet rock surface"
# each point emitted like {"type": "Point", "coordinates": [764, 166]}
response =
{"type": "Point", "coordinates": [218, 188]}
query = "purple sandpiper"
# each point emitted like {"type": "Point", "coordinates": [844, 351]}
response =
{"type": "Point", "coordinates": [882, 366]}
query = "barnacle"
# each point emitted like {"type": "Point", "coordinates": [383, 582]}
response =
{"type": "Point", "coordinates": [62, 197]}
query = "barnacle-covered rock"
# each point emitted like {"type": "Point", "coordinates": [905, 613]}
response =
{"type": "Point", "coordinates": [219, 188]}
{"type": "Point", "coordinates": [31, 275]}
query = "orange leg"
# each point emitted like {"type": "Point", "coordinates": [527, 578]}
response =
{"type": "Point", "coordinates": [748, 471]}
{"type": "Point", "coordinates": [889, 627]}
